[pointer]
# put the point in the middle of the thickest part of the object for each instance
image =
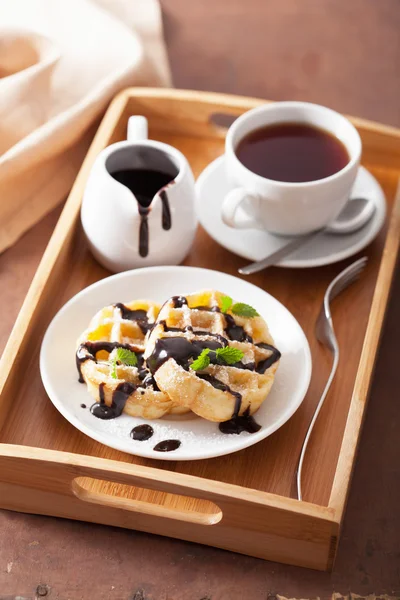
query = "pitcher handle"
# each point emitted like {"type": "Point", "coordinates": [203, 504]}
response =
{"type": "Point", "coordinates": [137, 129]}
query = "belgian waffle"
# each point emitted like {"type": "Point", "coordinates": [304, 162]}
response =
{"type": "Point", "coordinates": [188, 324]}
{"type": "Point", "coordinates": [133, 391]}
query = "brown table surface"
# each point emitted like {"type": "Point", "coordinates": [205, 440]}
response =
{"type": "Point", "coordinates": [342, 53]}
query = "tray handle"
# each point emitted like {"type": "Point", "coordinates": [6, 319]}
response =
{"type": "Point", "coordinates": [81, 487]}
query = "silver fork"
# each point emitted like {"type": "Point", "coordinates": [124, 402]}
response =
{"type": "Point", "coordinates": [326, 335]}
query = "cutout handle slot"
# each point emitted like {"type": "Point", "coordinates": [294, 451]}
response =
{"type": "Point", "coordinates": [145, 501]}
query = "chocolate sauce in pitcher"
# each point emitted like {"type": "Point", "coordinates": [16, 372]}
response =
{"type": "Point", "coordinates": [145, 184]}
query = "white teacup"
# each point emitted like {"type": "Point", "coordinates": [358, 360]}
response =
{"type": "Point", "coordinates": [290, 208]}
{"type": "Point", "coordinates": [122, 233]}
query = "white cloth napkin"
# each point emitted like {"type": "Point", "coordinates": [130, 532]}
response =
{"type": "Point", "coordinates": [61, 62]}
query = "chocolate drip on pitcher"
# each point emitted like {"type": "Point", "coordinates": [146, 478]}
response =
{"type": "Point", "coordinates": [143, 230]}
{"type": "Point", "coordinates": [145, 184]}
{"type": "Point", "coordinates": [166, 212]}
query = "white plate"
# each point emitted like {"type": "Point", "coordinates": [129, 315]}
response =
{"type": "Point", "coordinates": [200, 439]}
{"type": "Point", "coordinates": [252, 244]}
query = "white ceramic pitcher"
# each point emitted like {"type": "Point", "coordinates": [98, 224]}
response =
{"type": "Point", "coordinates": [114, 222]}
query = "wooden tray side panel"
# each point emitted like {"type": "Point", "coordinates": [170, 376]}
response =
{"type": "Point", "coordinates": [190, 114]}
{"type": "Point", "coordinates": [361, 388]}
{"type": "Point", "coordinates": [242, 523]}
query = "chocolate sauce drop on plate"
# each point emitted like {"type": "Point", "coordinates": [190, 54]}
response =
{"type": "Point", "coordinates": [167, 445]}
{"type": "Point", "coordinates": [142, 433]}
{"type": "Point", "coordinates": [238, 424]}
{"type": "Point", "coordinates": [83, 405]}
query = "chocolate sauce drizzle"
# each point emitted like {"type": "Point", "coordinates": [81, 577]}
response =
{"type": "Point", "coordinates": [119, 398]}
{"type": "Point", "coordinates": [139, 315]}
{"type": "Point", "coordinates": [88, 351]}
{"type": "Point", "coordinates": [190, 329]}
{"type": "Point", "coordinates": [263, 365]}
{"type": "Point", "coordinates": [167, 445]}
{"type": "Point", "coordinates": [147, 380]}
{"type": "Point", "coordinates": [236, 332]}
{"type": "Point", "coordinates": [182, 350]}
{"type": "Point", "coordinates": [233, 330]}
{"type": "Point", "coordinates": [219, 385]}
{"type": "Point", "coordinates": [237, 424]}
{"type": "Point", "coordinates": [178, 301]}
{"type": "Point", "coordinates": [142, 433]}
{"type": "Point", "coordinates": [178, 348]}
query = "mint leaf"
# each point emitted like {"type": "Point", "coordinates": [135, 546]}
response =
{"type": "Point", "coordinates": [229, 355]}
{"type": "Point", "coordinates": [202, 361]}
{"type": "Point", "coordinates": [124, 356]}
{"type": "Point", "coordinates": [244, 310]}
{"type": "Point", "coordinates": [114, 368]}
{"type": "Point", "coordinates": [226, 303]}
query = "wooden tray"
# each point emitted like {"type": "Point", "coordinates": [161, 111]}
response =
{"type": "Point", "coordinates": [244, 502]}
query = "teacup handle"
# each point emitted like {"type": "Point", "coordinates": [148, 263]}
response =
{"type": "Point", "coordinates": [354, 223]}
{"type": "Point", "coordinates": [137, 129]}
{"type": "Point", "coordinates": [231, 203]}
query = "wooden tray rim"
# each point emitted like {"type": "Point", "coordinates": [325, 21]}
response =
{"type": "Point", "coordinates": [191, 484]}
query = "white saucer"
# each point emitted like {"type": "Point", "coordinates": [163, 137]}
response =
{"type": "Point", "coordinates": [200, 439]}
{"type": "Point", "coordinates": [253, 244]}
